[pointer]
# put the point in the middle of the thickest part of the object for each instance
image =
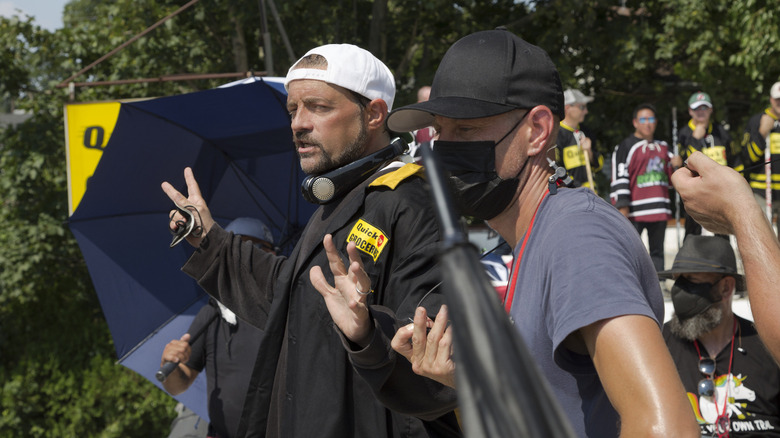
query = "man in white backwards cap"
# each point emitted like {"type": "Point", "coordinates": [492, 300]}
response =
{"type": "Point", "coordinates": [364, 262]}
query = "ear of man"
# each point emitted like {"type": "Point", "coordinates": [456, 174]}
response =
{"type": "Point", "coordinates": [542, 131]}
{"type": "Point", "coordinates": [729, 286]}
{"type": "Point", "coordinates": [376, 114]}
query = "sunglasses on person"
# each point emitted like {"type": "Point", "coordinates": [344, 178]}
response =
{"type": "Point", "coordinates": [707, 385]}
{"type": "Point", "coordinates": [646, 120]}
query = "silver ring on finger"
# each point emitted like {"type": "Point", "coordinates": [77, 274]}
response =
{"type": "Point", "coordinates": [361, 293]}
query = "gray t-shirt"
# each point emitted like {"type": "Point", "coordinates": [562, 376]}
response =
{"type": "Point", "coordinates": [583, 262]}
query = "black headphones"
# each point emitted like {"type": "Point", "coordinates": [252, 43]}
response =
{"type": "Point", "coordinates": [559, 174]}
{"type": "Point", "coordinates": [321, 189]}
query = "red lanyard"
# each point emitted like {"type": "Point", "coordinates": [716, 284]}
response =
{"type": "Point", "coordinates": [722, 421]}
{"type": "Point", "coordinates": [510, 293]}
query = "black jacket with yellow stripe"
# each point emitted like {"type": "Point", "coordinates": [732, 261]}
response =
{"type": "Point", "coordinates": [570, 156]}
{"type": "Point", "coordinates": [716, 144]}
{"type": "Point", "coordinates": [304, 383]}
{"type": "Point", "coordinates": [753, 146]}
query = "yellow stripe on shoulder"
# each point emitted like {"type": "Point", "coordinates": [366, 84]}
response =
{"type": "Point", "coordinates": [392, 179]}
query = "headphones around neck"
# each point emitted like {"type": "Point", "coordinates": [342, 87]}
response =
{"type": "Point", "coordinates": [321, 189]}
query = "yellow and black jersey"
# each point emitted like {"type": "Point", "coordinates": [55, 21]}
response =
{"type": "Point", "coordinates": [753, 146]}
{"type": "Point", "coordinates": [716, 144]}
{"type": "Point", "coordinates": [569, 155]}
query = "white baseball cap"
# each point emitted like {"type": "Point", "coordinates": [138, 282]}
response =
{"type": "Point", "coordinates": [572, 96]}
{"type": "Point", "coordinates": [349, 67]}
{"type": "Point", "coordinates": [775, 91]}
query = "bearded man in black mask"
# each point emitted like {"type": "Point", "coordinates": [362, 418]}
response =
{"type": "Point", "coordinates": [593, 325]}
{"type": "Point", "coordinates": [732, 382]}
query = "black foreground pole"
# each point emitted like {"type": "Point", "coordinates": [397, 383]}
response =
{"type": "Point", "coordinates": [501, 391]}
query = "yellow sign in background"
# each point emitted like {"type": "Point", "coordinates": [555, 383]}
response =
{"type": "Point", "coordinates": [88, 126]}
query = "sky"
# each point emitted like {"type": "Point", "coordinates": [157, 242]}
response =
{"type": "Point", "coordinates": [47, 13]}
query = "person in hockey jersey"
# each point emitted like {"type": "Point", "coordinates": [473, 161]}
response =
{"type": "Point", "coordinates": [574, 149]}
{"type": "Point", "coordinates": [640, 181]}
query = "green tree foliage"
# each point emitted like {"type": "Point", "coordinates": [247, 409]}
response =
{"type": "Point", "coordinates": [729, 47]}
{"type": "Point", "coordinates": [57, 366]}
{"type": "Point", "coordinates": [659, 51]}
{"type": "Point", "coordinates": [416, 32]}
{"type": "Point", "coordinates": [205, 38]}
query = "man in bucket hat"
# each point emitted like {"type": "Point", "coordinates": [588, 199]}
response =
{"type": "Point", "coordinates": [722, 200]}
{"type": "Point", "coordinates": [496, 102]}
{"type": "Point", "coordinates": [732, 382]}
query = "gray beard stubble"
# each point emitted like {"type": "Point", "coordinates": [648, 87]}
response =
{"type": "Point", "coordinates": [695, 326]}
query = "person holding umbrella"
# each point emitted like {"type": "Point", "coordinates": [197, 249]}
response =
{"type": "Point", "coordinates": [226, 347]}
{"type": "Point", "coordinates": [320, 326]}
{"type": "Point", "coordinates": [594, 327]}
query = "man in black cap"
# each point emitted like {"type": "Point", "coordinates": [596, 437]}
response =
{"type": "Point", "coordinates": [496, 102]}
{"type": "Point", "coordinates": [732, 382]}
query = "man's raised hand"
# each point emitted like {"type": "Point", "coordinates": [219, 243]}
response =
{"type": "Point", "coordinates": [346, 298]}
{"type": "Point", "coordinates": [202, 217]}
{"type": "Point", "coordinates": [430, 353]}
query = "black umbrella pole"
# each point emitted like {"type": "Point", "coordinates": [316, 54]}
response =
{"type": "Point", "coordinates": [167, 368]}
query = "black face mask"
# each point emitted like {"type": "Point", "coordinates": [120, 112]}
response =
{"type": "Point", "coordinates": [478, 190]}
{"type": "Point", "coordinates": [690, 299]}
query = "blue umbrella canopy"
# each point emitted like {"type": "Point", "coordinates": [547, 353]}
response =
{"type": "Point", "coordinates": [238, 142]}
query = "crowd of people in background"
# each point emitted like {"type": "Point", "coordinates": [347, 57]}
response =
{"type": "Point", "coordinates": [335, 356]}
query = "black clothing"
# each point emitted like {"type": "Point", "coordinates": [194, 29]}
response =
{"type": "Point", "coordinates": [303, 384]}
{"type": "Point", "coordinates": [716, 144]}
{"type": "Point", "coordinates": [753, 146]}
{"type": "Point", "coordinates": [754, 396]}
{"type": "Point", "coordinates": [656, 233]}
{"type": "Point", "coordinates": [228, 354]}
{"type": "Point", "coordinates": [570, 156]}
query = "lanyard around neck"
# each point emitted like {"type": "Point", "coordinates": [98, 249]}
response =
{"type": "Point", "coordinates": [510, 293]}
{"type": "Point", "coordinates": [721, 413]}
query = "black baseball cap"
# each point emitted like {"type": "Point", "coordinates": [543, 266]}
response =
{"type": "Point", "coordinates": [485, 74]}
{"type": "Point", "coordinates": [707, 254]}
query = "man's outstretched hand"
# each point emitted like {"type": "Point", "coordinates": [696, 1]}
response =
{"type": "Point", "coordinates": [346, 298]}
{"type": "Point", "coordinates": [430, 352]}
{"type": "Point", "coordinates": [203, 217]}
